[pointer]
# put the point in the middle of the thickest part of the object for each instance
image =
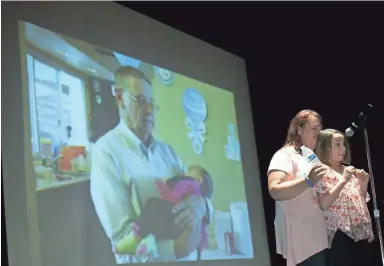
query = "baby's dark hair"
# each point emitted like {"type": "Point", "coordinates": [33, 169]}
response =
{"type": "Point", "coordinates": [207, 185]}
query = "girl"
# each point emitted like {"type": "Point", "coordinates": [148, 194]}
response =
{"type": "Point", "coordinates": [342, 195]}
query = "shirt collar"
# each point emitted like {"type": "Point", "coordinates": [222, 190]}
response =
{"type": "Point", "coordinates": [132, 136]}
{"type": "Point", "coordinates": [292, 149]}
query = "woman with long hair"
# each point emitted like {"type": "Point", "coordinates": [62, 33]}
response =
{"type": "Point", "coordinates": [301, 235]}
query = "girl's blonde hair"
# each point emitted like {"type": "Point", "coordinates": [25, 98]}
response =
{"type": "Point", "coordinates": [324, 147]}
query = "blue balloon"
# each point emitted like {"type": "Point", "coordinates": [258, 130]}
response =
{"type": "Point", "coordinates": [231, 128]}
{"type": "Point", "coordinates": [194, 105]}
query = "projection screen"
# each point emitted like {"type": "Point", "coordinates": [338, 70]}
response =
{"type": "Point", "coordinates": [125, 141]}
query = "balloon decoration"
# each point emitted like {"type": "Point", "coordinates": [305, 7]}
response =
{"type": "Point", "coordinates": [165, 76]}
{"type": "Point", "coordinates": [232, 147]}
{"type": "Point", "coordinates": [195, 109]}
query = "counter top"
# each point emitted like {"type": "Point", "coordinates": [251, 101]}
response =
{"type": "Point", "coordinates": [42, 184]}
{"type": "Point", "coordinates": [214, 254]}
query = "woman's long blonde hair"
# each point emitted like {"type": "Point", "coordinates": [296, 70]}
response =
{"type": "Point", "coordinates": [324, 146]}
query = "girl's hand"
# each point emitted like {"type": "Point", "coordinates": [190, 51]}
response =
{"type": "Point", "coordinates": [348, 173]}
{"type": "Point", "coordinates": [362, 175]}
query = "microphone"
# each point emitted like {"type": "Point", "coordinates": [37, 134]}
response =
{"type": "Point", "coordinates": [359, 122]}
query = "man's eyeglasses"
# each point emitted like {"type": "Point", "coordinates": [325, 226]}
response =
{"type": "Point", "coordinates": [142, 101]}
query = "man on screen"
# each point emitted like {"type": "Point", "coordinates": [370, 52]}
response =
{"type": "Point", "coordinates": [127, 157]}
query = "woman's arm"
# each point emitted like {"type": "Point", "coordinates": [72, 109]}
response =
{"type": "Point", "coordinates": [282, 186]}
{"type": "Point", "coordinates": [282, 183]}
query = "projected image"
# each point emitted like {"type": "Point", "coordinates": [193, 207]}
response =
{"type": "Point", "coordinates": [133, 162]}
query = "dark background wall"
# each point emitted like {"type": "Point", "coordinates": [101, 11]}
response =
{"type": "Point", "coordinates": [323, 56]}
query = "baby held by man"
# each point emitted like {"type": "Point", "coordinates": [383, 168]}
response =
{"type": "Point", "coordinates": [156, 220]}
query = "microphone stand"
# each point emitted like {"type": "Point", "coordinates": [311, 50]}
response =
{"type": "Point", "coordinates": [376, 212]}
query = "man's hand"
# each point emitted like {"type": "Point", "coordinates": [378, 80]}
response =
{"type": "Point", "coordinates": [189, 240]}
{"type": "Point", "coordinates": [191, 210]}
{"type": "Point", "coordinates": [317, 172]}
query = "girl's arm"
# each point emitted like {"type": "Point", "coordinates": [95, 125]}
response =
{"type": "Point", "coordinates": [328, 198]}
{"type": "Point", "coordinates": [327, 192]}
{"type": "Point", "coordinates": [363, 178]}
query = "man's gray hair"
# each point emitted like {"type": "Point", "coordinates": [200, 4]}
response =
{"type": "Point", "coordinates": [125, 72]}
